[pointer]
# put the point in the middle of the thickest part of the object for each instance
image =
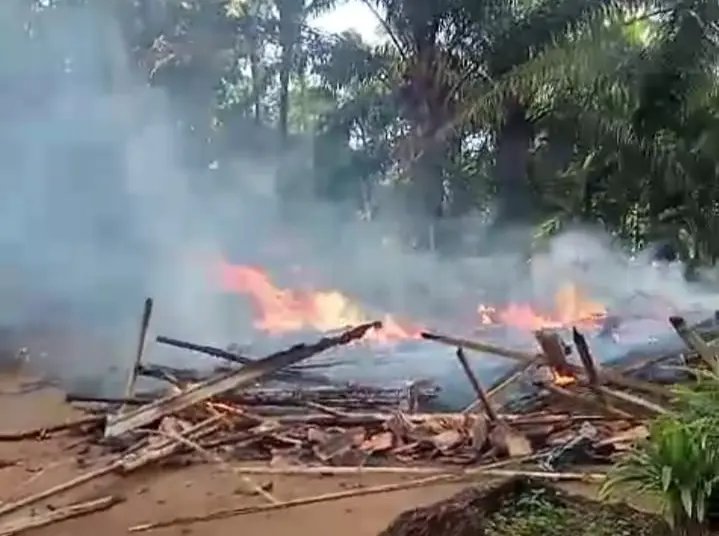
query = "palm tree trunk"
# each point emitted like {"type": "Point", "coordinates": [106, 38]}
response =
{"type": "Point", "coordinates": [290, 15]}
{"type": "Point", "coordinates": [254, 45]}
{"type": "Point", "coordinates": [284, 104]}
{"type": "Point", "coordinates": [514, 141]}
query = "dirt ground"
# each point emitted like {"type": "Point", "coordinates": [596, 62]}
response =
{"type": "Point", "coordinates": [164, 493]}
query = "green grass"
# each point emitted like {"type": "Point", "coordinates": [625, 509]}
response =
{"type": "Point", "coordinates": [538, 513]}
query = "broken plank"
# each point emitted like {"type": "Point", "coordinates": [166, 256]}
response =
{"type": "Point", "coordinates": [35, 521]}
{"type": "Point", "coordinates": [143, 416]}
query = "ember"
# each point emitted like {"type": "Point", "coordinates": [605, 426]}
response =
{"type": "Point", "coordinates": [561, 379]}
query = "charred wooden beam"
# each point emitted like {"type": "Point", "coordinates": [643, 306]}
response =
{"type": "Point", "coordinates": [250, 373]}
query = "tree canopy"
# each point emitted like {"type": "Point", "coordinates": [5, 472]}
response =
{"type": "Point", "coordinates": [536, 112]}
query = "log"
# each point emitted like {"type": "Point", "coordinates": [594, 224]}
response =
{"type": "Point", "coordinates": [249, 374]}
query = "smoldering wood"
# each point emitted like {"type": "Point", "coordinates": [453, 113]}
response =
{"type": "Point", "coordinates": [284, 400]}
{"type": "Point", "coordinates": [478, 346]}
{"type": "Point", "coordinates": [554, 350]}
{"type": "Point", "coordinates": [250, 373]}
{"type": "Point", "coordinates": [590, 368]}
{"type": "Point", "coordinates": [290, 374]}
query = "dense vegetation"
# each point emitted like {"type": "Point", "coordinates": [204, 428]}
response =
{"type": "Point", "coordinates": [542, 111]}
{"type": "Point", "coordinates": [679, 461]}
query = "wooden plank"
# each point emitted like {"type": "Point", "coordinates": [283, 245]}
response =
{"type": "Point", "coordinates": [145, 415]}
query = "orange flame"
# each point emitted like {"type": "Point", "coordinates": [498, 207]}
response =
{"type": "Point", "coordinates": [561, 379]}
{"type": "Point", "coordinates": [283, 310]}
{"type": "Point", "coordinates": [570, 309]}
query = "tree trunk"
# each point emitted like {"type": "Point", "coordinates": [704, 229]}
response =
{"type": "Point", "coordinates": [253, 39]}
{"type": "Point", "coordinates": [284, 104]}
{"type": "Point", "coordinates": [515, 200]}
{"type": "Point", "coordinates": [290, 15]}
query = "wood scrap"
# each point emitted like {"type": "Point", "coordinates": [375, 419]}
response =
{"type": "Point", "coordinates": [634, 400]}
{"type": "Point", "coordinates": [145, 415]}
{"type": "Point", "coordinates": [328, 497]}
{"type": "Point", "coordinates": [590, 368]}
{"type": "Point", "coordinates": [259, 490]}
{"type": "Point", "coordinates": [478, 346]}
{"type": "Point", "coordinates": [695, 342]}
{"type": "Point", "coordinates": [36, 521]}
{"type": "Point", "coordinates": [40, 432]}
{"type": "Point", "coordinates": [290, 373]}
{"type": "Point", "coordinates": [128, 463]}
{"type": "Point", "coordinates": [137, 359]}
{"type": "Point", "coordinates": [8, 508]}
{"type": "Point", "coordinates": [503, 435]}
{"type": "Point", "coordinates": [554, 351]}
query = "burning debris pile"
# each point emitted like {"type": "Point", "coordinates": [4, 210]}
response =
{"type": "Point", "coordinates": [571, 411]}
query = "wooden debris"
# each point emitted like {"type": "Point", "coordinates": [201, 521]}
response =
{"type": "Point", "coordinates": [328, 497]}
{"type": "Point", "coordinates": [132, 374]}
{"type": "Point", "coordinates": [143, 416]}
{"type": "Point", "coordinates": [695, 342]}
{"type": "Point", "coordinates": [590, 367]}
{"type": "Point", "coordinates": [634, 400]}
{"type": "Point", "coordinates": [224, 416]}
{"type": "Point", "coordinates": [502, 435]}
{"type": "Point", "coordinates": [290, 373]}
{"type": "Point", "coordinates": [554, 351]}
{"type": "Point", "coordinates": [477, 346]}
{"type": "Point", "coordinates": [36, 521]}
{"type": "Point", "coordinates": [8, 508]}
{"type": "Point", "coordinates": [38, 433]}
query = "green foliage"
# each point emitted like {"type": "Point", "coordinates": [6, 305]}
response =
{"type": "Point", "coordinates": [538, 512]}
{"type": "Point", "coordinates": [679, 462]}
{"type": "Point", "coordinates": [596, 110]}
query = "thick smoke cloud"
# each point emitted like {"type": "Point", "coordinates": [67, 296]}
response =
{"type": "Point", "coordinates": [97, 212]}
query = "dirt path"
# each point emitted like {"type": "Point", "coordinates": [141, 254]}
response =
{"type": "Point", "coordinates": [163, 493]}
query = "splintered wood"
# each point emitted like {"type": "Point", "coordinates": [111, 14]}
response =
{"type": "Point", "coordinates": [560, 405]}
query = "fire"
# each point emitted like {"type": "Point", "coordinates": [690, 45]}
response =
{"type": "Point", "coordinates": [283, 310]}
{"type": "Point", "coordinates": [570, 309]}
{"type": "Point", "coordinates": [561, 379]}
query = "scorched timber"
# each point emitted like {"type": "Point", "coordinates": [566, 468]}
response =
{"type": "Point", "coordinates": [288, 375]}
{"type": "Point", "coordinates": [143, 416]}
